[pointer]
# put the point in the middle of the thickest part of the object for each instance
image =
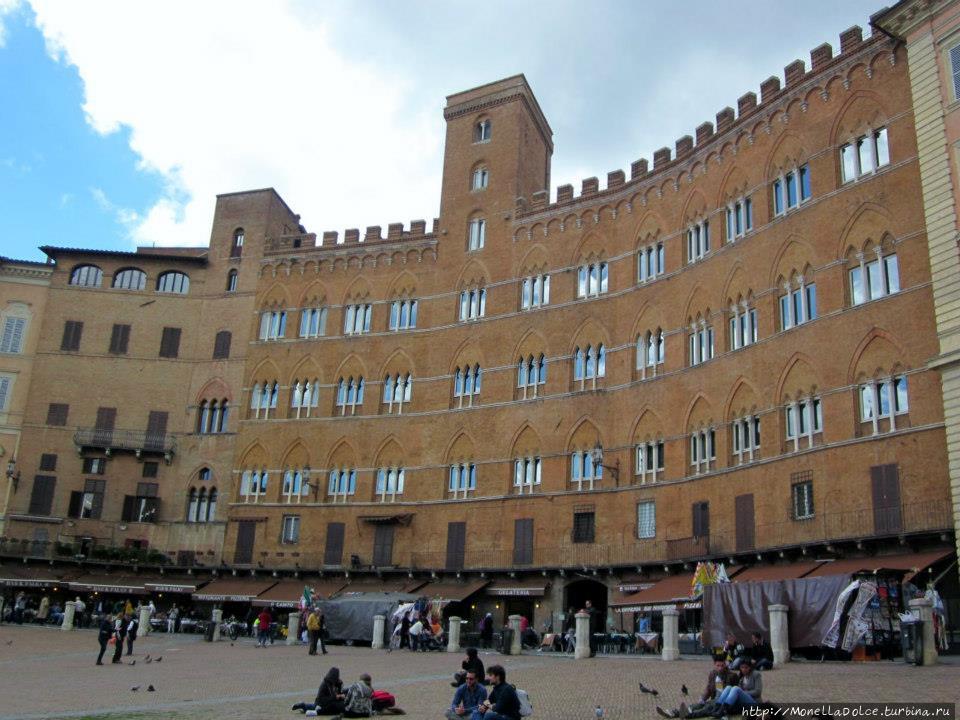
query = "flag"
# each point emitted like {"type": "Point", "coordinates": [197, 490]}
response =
{"type": "Point", "coordinates": [306, 600]}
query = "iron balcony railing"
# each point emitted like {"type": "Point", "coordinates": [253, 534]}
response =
{"type": "Point", "coordinates": [130, 440]}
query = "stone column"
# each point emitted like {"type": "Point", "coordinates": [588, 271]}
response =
{"type": "Point", "coordinates": [293, 628]}
{"type": "Point", "coordinates": [69, 611]}
{"type": "Point", "coordinates": [923, 608]}
{"type": "Point", "coordinates": [671, 635]}
{"type": "Point", "coordinates": [453, 635]}
{"type": "Point", "coordinates": [217, 618]}
{"type": "Point", "coordinates": [379, 623]}
{"type": "Point", "coordinates": [2, 603]}
{"type": "Point", "coordinates": [144, 621]}
{"type": "Point", "coordinates": [779, 634]}
{"type": "Point", "coordinates": [515, 626]}
{"type": "Point", "coordinates": [582, 647]}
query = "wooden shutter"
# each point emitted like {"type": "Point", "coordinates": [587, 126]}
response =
{"type": "Point", "coordinates": [72, 332]}
{"type": "Point", "coordinates": [119, 339]}
{"type": "Point", "coordinates": [57, 413]}
{"type": "Point", "coordinates": [885, 484]}
{"type": "Point", "coordinates": [246, 534]}
{"type": "Point", "coordinates": [221, 345]}
{"type": "Point", "coordinates": [4, 391]}
{"type": "Point", "coordinates": [103, 427]}
{"type": "Point", "coordinates": [456, 545]}
{"type": "Point", "coordinates": [955, 70]}
{"type": "Point", "coordinates": [701, 519]}
{"type": "Point", "coordinates": [170, 342]}
{"type": "Point", "coordinates": [97, 487]}
{"type": "Point", "coordinates": [129, 511]}
{"type": "Point", "coordinates": [76, 500]}
{"type": "Point", "coordinates": [523, 541]}
{"type": "Point", "coordinates": [333, 550]}
{"type": "Point", "coordinates": [743, 509]}
{"type": "Point", "coordinates": [12, 341]}
{"type": "Point", "coordinates": [48, 462]}
{"type": "Point", "coordinates": [156, 429]}
{"type": "Point", "coordinates": [41, 497]}
{"type": "Point", "coordinates": [383, 545]}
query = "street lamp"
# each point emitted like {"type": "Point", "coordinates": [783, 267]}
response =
{"type": "Point", "coordinates": [597, 456]}
{"type": "Point", "coordinates": [13, 474]}
{"type": "Point", "coordinates": [309, 486]}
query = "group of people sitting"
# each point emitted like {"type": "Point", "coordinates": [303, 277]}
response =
{"type": "Point", "coordinates": [472, 701]}
{"type": "Point", "coordinates": [734, 683]}
{"type": "Point", "coordinates": [360, 700]}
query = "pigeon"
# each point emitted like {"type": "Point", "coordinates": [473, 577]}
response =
{"type": "Point", "coordinates": [133, 662]}
{"type": "Point", "coordinates": [649, 691]}
{"type": "Point", "coordinates": [9, 642]}
{"type": "Point", "coordinates": [151, 688]}
{"type": "Point", "coordinates": [159, 659]}
{"type": "Point", "coordinates": [148, 661]}
{"type": "Point", "coordinates": [667, 714]}
{"type": "Point", "coordinates": [147, 657]}
{"type": "Point", "coordinates": [683, 689]}
{"type": "Point", "coordinates": [134, 688]}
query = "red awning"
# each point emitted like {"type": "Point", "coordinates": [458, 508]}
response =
{"type": "Point", "coordinates": [670, 591]}
{"type": "Point", "coordinates": [117, 584]}
{"type": "Point", "coordinates": [233, 590]}
{"type": "Point", "coordinates": [287, 593]}
{"type": "Point", "coordinates": [452, 591]}
{"type": "Point", "coordinates": [910, 564]}
{"type": "Point", "coordinates": [788, 571]}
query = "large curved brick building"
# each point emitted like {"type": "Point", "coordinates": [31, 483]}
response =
{"type": "Point", "coordinates": [722, 356]}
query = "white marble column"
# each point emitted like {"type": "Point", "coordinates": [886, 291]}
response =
{"type": "Point", "coordinates": [671, 635]}
{"type": "Point", "coordinates": [582, 648]}
{"type": "Point", "coordinates": [144, 621]}
{"type": "Point", "coordinates": [779, 634]}
{"type": "Point", "coordinates": [69, 611]}
{"type": "Point", "coordinates": [379, 623]}
{"type": "Point", "coordinates": [453, 635]}
{"type": "Point", "coordinates": [293, 628]}
{"type": "Point", "coordinates": [515, 626]}
{"type": "Point", "coordinates": [923, 608]}
{"type": "Point", "coordinates": [217, 618]}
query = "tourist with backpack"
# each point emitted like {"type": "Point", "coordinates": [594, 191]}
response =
{"type": "Point", "coordinates": [503, 703]}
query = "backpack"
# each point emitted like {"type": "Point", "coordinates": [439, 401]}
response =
{"type": "Point", "coordinates": [526, 707]}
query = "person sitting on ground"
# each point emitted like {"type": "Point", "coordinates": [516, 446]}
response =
{"type": "Point", "coordinates": [472, 663]}
{"type": "Point", "coordinates": [359, 699]}
{"type": "Point", "coordinates": [384, 703]}
{"type": "Point", "coordinates": [760, 653]}
{"type": "Point", "coordinates": [330, 696]}
{"type": "Point", "coordinates": [467, 698]}
{"type": "Point", "coordinates": [745, 693]}
{"type": "Point", "coordinates": [720, 677]}
{"type": "Point", "coordinates": [502, 703]}
{"type": "Point", "coordinates": [733, 651]}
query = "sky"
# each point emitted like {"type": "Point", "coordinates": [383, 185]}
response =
{"type": "Point", "coordinates": [121, 120]}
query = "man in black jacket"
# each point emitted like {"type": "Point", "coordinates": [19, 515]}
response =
{"type": "Point", "coordinates": [761, 654]}
{"type": "Point", "coordinates": [120, 629]}
{"type": "Point", "coordinates": [106, 630]}
{"type": "Point", "coordinates": [502, 703]}
{"type": "Point", "coordinates": [472, 663]}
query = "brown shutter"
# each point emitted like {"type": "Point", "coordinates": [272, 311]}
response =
{"type": "Point", "coordinates": [333, 550]}
{"type": "Point", "coordinates": [72, 332]}
{"type": "Point", "coordinates": [48, 462]}
{"type": "Point", "coordinates": [743, 508]}
{"type": "Point", "coordinates": [119, 339]}
{"type": "Point", "coordinates": [129, 508]}
{"type": "Point", "coordinates": [221, 345]}
{"type": "Point", "coordinates": [523, 541]}
{"type": "Point", "coordinates": [156, 430]}
{"type": "Point", "coordinates": [701, 519]}
{"type": "Point", "coordinates": [57, 413]}
{"type": "Point", "coordinates": [383, 545]}
{"type": "Point", "coordinates": [170, 342]}
{"type": "Point", "coordinates": [103, 428]}
{"type": "Point", "coordinates": [41, 497]}
{"type": "Point", "coordinates": [885, 485]}
{"type": "Point", "coordinates": [246, 534]}
{"type": "Point", "coordinates": [456, 545]}
{"type": "Point", "coordinates": [76, 498]}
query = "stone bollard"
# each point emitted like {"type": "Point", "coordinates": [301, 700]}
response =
{"type": "Point", "coordinates": [779, 634]}
{"type": "Point", "coordinates": [144, 621]}
{"type": "Point", "coordinates": [582, 646]}
{"type": "Point", "coordinates": [923, 608]}
{"type": "Point", "coordinates": [379, 624]}
{"type": "Point", "coordinates": [217, 619]}
{"type": "Point", "coordinates": [69, 610]}
{"type": "Point", "coordinates": [515, 626]}
{"type": "Point", "coordinates": [453, 636]}
{"type": "Point", "coordinates": [671, 637]}
{"type": "Point", "coordinates": [293, 628]}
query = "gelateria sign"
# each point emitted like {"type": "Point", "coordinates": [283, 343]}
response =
{"type": "Point", "coordinates": [516, 591]}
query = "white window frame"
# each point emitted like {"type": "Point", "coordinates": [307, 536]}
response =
{"type": "Point", "coordinates": [476, 234]}
{"type": "Point", "coordinates": [593, 279]}
{"type": "Point", "coordinates": [473, 304]}
{"type": "Point", "coordinates": [745, 432]}
{"type": "Point", "coordinates": [535, 292]}
{"type": "Point", "coordinates": [350, 394]}
{"type": "Point", "coordinates": [462, 480]}
{"type": "Point", "coordinates": [651, 352]}
{"type": "Point", "coordinates": [357, 318]}
{"type": "Point", "coordinates": [273, 324]}
{"type": "Point", "coordinates": [466, 384]}
{"type": "Point", "coordinates": [341, 484]}
{"type": "Point", "coordinates": [809, 508]}
{"type": "Point", "coordinates": [480, 179]}
{"type": "Point", "coordinates": [484, 131]}
{"type": "Point", "coordinates": [799, 179]}
{"type": "Point", "coordinates": [739, 218]}
{"type": "Point", "coordinates": [304, 396]}
{"type": "Point", "coordinates": [698, 241]}
{"type": "Point", "coordinates": [804, 419]}
{"type": "Point", "coordinates": [647, 526]}
{"type": "Point", "coordinates": [7, 382]}
{"type": "Point", "coordinates": [703, 450]}
{"type": "Point", "coordinates": [798, 303]}
{"type": "Point", "coordinates": [651, 262]}
{"type": "Point", "coordinates": [884, 399]}
{"type": "Point", "coordinates": [313, 322]}
{"type": "Point", "coordinates": [397, 390]}
{"type": "Point", "coordinates": [290, 532]}
{"type": "Point", "coordinates": [14, 331]}
{"type": "Point", "coordinates": [293, 488]}
{"type": "Point", "coordinates": [264, 398]}
{"type": "Point", "coordinates": [527, 474]}
{"type": "Point", "coordinates": [877, 151]}
{"type": "Point", "coordinates": [389, 484]}
{"type": "Point", "coordinates": [743, 325]}
{"type": "Point", "coordinates": [875, 279]}
{"type": "Point", "coordinates": [253, 485]}
{"type": "Point", "coordinates": [584, 471]}
{"type": "Point", "coordinates": [531, 373]}
{"type": "Point", "coordinates": [403, 315]}
{"type": "Point", "coordinates": [648, 461]}
{"type": "Point", "coordinates": [589, 364]}
{"type": "Point", "coordinates": [700, 343]}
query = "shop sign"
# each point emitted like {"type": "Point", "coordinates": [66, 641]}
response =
{"type": "Point", "coordinates": [223, 598]}
{"type": "Point", "coordinates": [516, 592]}
{"type": "Point", "coordinates": [11, 582]}
{"type": "Point", "coordinates": [153, 587]}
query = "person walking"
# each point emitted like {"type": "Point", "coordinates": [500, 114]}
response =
{"type": "Point", "coordinates": [120, 633]}
{"type": "Point", "coordinates": [172, 615]}
{"type": "Point", "coordinates": [323, 630]}
{"type": "Point", "coordinates": [132, 627]}
{"type": "Point", "coordinates": [486, 631]}
{"type": "Point", "coordinates": [44, 611]}
{"type": "Point", "coordinates": [263, 629]}
{"type": "Point", "coordinates": [313, 631]}
{"type": "Point", "coordinates": [103, 637]}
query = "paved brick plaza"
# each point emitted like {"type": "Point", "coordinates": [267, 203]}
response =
{"type": "Point", "coordinates": [47, 673]}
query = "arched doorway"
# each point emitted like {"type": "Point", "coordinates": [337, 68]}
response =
{"type": "Point", "coordinates": [576, 594]}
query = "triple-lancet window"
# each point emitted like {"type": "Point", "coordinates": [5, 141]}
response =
{"type": "Point", "coordinates": [698, 241]}
{"type": "Point", "coordinates": [864, 154]}
{"type": "Point", "coordinates": [349, 394]}
{"type": "Point", "coordinates": [593, 279]}
{"type": "Point", "coordinates": [304, 397]}
{"type": "Point", "coordinates": [531, 373]}
{"type": "Point", "coordinates": [589, 364]}
{"type": "Point", "coordinates": [463, 479]}
{"type": "Point", "coordinates": [798, 303]}
{"type": "Point", "coordinates": [881, 401]}
{"type": "Point", "coordinates": [527, 474]}
{"type": "Point", "coordinates": [804, 422]}
{"type": "Point", "coordinates": [791, 189]}
{"type": "Point", "coordinates": [739, 218]}
{"type": "Point", "coordinates": [466, 385]}
{"type": "Point", "coordinates": [313, 322]}
{"type": "Point", "coordinates": [263, 399]}
{"type": "Point", "coordinates": [273, 324]}
{"type": "Point", "coordinates": [253, 485]}
{"type": "Point", "coordinates": [746, 439]}
{"type": "Point", "coordinates": [357, 318]}
{"type": "Point", "coordinates": [397, 391]}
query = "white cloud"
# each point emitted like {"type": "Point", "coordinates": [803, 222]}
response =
{"type": "Point", "coordinates": [6, 8]}
{"type": "Point", "coordinates": [225, 96]}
